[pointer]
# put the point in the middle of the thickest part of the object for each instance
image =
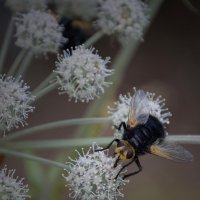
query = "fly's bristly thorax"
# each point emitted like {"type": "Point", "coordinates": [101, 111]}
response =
{"type": "Point", "coordinates": [143, 135]}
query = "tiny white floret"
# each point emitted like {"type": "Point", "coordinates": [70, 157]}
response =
{"type": "Point", "coordinates": [15, 100]}
{"type": "Point", "coordinates": [12, 188]}
{"type": "Point", "coordinates": [38, 31]}
{"type": "Point", "coordinates": [92, 176]}
{"type": "Point", "coordinates": [124, 18]}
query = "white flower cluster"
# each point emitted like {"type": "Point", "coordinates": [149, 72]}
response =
{"type": "Point", "coordinates": [158, 110]}
{"type": "Point", "coordinates": [38, 31]}
{"type": "Point", "coordinates": [81, 73]}
{"type": "Point", "coordinates": [15, 102]}
{"type": "Point", "coordinates": [92, 175]}
{"type": "Point", "coordinates": [86, 10]}
{"type": "Point", "coordinates": [119, 113]}
{"type": "Point", "coordinates": [125, 18]}
{"type": "Point", "coordinates": [25, 5]}
{"type": "Point", "coordinates": [12, 188]}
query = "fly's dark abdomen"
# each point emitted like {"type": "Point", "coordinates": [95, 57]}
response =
{"type": "Point", "coordinates": [144, 135]}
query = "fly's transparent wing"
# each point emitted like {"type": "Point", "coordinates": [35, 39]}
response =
{"type": "Point", "coordinates": [139, 109]}
{"type": "Point", "coordinates": [171, 151]}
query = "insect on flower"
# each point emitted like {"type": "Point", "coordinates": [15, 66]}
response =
{"type": "Point", "coordinates": [76, 30]}
{"type": "Point", "coordinates": [144, 133]}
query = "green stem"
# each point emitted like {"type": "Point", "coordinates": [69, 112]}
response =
{"type": "Point", "coordinates": [25, 64]}
{"type": "Point", "coordinates": [31, 157]}
{"type": "Point", "coordinates": [154, 8]}
{"type": "Point", "coordinates": [93, 39]}
{"type": "Point", "coordinates": [58, 143]}
{"type": "Point", "coordinates": [80, 142]}
{"type": "Point", "coordinates": [5, 45]}
{"type": "Point", "coordinates": [44, 83]}
{"type": "Point", "coordinates": [45, 90]}
{"type": "Point", "coordinates": [55, 124]}
{"type": "Point", "coordinates": [17, 61]}
{"type": "Point", "coordinates": [184, 139]}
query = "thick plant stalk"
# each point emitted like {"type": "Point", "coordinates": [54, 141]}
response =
{"type": "Point", "coordinates": [184, 139]}
{"type": "Point", "coordinates": [93, 39]}
{"type": "Point", "coordinates": [25, 64]}
{"type": "Point", "coordinates": [44, 83]}
{"type": "Point", "coordinates": [17, 61]}
{"type": "Point", "coordinates": [31, 157]}
{"type": "Point", "coordinates": [58, 143]}
{"type": "Point", "coordinates": [55, 124]}
{"type": "Point", "coordinates": [45, 90]}
{"type": "Point", "coordinates": [80, 142]}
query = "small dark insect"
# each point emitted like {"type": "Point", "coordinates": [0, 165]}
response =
{"type": "Point", "coordinates": [143, 134]}
{"type": "Point", "coordinates": [76, 31]}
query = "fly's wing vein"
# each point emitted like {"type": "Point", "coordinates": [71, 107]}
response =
{"type": "Point", "coordinates": [139, 109]}
{"type": "Point", "coordinates": [171, 151]}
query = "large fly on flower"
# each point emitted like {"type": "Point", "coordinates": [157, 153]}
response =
{"type": "Point", "coordinates": [143, 134]}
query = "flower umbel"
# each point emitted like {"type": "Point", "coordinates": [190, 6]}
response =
{"type": "Point", "coordinates": [119, 113]}
{"type": "Point", "coordinates": [92, 175]}
{"type": "Point", "coordinates": [15, 102]}
{"type": "Point", "coordinates": [38, 31]}
{"type": "Point", "coordinates": [81, 73]}
{"type": "Point", "coordinates": [12, 188]}
{"type": "Point", "coordinates": [125, 18]}
{"type": "Point", "coordinates": [157, 105]}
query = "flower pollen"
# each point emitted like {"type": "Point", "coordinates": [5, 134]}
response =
{"type": "Point", "coordinates": [125, 18]}
{"type": "Point", "coordinates": [38, 31]}
{"type": "Point", "coordinates": [15, 102]}
{"type": "Point", "coordinates": [12, 188]}
{"type": "Point", "coordinates": [91, 176]}
{"type": "Point", "coordinates": [81, 73]}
